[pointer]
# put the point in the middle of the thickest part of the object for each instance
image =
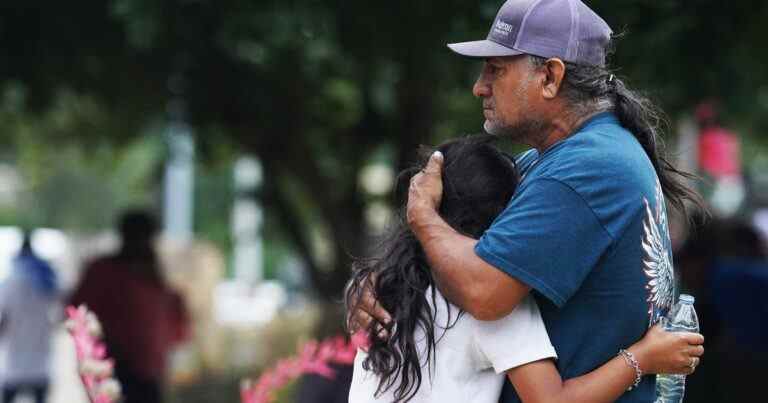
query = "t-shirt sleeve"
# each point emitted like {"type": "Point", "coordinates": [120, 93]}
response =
{"type": "Point", "coordinates": [547, 237]}
{"type": "Point", "coordinates": [514, 340]}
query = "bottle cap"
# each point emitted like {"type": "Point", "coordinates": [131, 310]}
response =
{"type": "Point", "coordinates": [687, 299]}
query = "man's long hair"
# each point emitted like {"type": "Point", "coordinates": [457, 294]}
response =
{"type": "Point", "coordinates": [589, 89]}
{"type": "Point", "coordinates": [478, 182]}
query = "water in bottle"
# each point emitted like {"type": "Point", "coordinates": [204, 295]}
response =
{"type": "Point", "coordinates": [670, 388]}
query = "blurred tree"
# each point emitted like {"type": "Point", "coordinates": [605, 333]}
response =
{"type": "Point", "coordinates": [314, 88]}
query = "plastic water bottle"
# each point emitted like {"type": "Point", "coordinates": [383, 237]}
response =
{"type": "Point", "coordinates": [670, 388]}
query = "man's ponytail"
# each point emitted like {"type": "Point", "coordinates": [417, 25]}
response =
{"type": "Point", "coordinates": [591, 89]}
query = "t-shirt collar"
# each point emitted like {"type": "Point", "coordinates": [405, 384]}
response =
{"type": "Point", "coordinates": [600, 118]}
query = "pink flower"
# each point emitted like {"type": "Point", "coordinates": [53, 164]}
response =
{"type": "Point", "coordinates": [94, 367]}
{"type": "Point", "coordinates": [313, 358]}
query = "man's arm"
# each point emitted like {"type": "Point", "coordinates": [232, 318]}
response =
{"type": "Point", "coordinates": [463, 277]}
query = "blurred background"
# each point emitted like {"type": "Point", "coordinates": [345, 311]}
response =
{"type": "Point", "coordinates": [265, 136]}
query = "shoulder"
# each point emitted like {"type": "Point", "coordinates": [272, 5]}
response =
{"type": "Point", "coordinates": [606, 166]}
{"type": "Point", "coordinates": [101, 263]}
{"type": "Point", "coordinates": [603, 149]}
{"type": "Point", "coordinates": [600, 150]}
{"type": "Point", "coordinates": [104, 271]}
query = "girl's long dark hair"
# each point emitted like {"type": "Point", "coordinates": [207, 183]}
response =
{"type": "Point", "coordinates": [478, 181]}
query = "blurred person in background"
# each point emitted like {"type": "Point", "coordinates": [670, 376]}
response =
{"type": "Point", "coordinates": [725, 265]}
{"type": "Point", "coordinates": [719, 161]}
{"type": "Point", "coordinates": [28, 302]}
{"type": "Point", "coordinates": [739, 289]}
{"type": "Point", "coordinates": [142, 317]}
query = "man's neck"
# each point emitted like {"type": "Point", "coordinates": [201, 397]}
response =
{"type": "Point", "coordinates": [562, 126]}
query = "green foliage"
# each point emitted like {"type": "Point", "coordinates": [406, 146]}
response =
{"type": "Point", "coordinates": [688, 51]}
{"type": "Point", "coordinates": [314, 88]}
{"type": "Point", "coordinates": [79, 188]}
{"type": "Point", "coordinates": [213, 198]}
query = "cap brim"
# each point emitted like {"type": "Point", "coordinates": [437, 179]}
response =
{"type": "Point", "coordinates": [482, 49]}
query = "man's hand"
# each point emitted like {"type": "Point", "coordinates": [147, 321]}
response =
{"type": "Point", "coordinates": [424, 194]}
{"type": "Point", "coordinates": [426, 189]}
{"type": "Point", "coordinates": [368, 312]}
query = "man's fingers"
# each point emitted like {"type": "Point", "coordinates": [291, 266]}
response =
{"type": "Point", "coordinates": [414, 179]}
{"type": "Point", "coordinates": [426, 188]}
{"type": "Point", "coordinates": [373, 308]}
{"type": "Point", "coordinates": [364, 321]}
{"type": "Point", "coordinates": [382, 315]}
{"type": "Point", "coordinates": [381, 332]}
{"type": "Point", "coordinates": [360, 320]}
{"type": "Point", "coordinates": [435, 164]}
{"type": "Point", "coordinates": [352, 327]}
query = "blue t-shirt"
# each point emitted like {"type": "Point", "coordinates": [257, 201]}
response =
{"type": "Point", "coordinates": [587, 230]}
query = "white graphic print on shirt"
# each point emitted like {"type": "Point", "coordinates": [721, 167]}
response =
{"type": "Point", "coordinates": [657, 259]}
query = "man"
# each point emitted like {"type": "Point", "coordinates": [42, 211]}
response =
{"type": "Point", "coordinates": [587, 228]}
{"type": "Point", "coordinates": [143, 318]}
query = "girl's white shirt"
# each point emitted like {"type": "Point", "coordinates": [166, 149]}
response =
{"type": "Point", "coordinates": [470, 358]}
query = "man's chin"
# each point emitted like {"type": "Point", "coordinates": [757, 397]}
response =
{"type": "Point", "coordinates": [492, 128]}
{"type": "Point", "coordinates": [489, 127]}
{"type": "Point", "coordinates": [512, 133]}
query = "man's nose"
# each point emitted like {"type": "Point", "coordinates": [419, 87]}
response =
{"type": "Point", "coordinates": [481, 89]}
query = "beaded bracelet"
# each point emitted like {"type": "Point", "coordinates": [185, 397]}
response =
{"type": "Point", "coordinates": [632, 362]}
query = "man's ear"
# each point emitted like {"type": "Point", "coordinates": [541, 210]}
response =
{"type": "Point", "coordinates": [554, 72]}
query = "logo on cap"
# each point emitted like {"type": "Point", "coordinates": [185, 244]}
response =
{"type": "Point", "coordinates": [502, 28]}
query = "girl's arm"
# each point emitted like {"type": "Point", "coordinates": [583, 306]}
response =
{"type": "Point", "coordinates": [658, 352]}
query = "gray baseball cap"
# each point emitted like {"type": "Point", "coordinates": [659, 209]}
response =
{"type": "Point", "coordinates": [566, 29]}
